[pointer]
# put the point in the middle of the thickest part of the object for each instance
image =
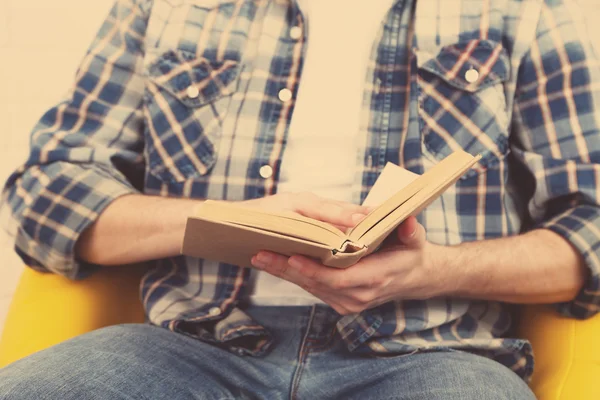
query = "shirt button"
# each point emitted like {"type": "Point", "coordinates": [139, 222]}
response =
{"type": "Point", "coordinates": [472, 75]}
{"type": "Point", "coordinates": [295, 32]}
{"type": "Point", "coordinates": [266, 171]}
{"type": "Point", "coordinates": [214, 311]}
{"type": "Point", "coordinates": [285, 95]}
{"type": "Point", "coordinates": [377, 87]}
{"type": "Point", "coordinates": [192, 92]}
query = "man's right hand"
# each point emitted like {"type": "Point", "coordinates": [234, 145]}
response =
{"type": "Point", "coordinates": [340, 214]}
{"type": "Point", "coordinates": [138, 228]}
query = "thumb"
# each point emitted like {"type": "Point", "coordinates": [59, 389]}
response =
{"type": "Point", "coordinates": [411, 233]}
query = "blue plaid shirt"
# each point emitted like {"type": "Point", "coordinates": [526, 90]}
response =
{"type": "Point", "coordinates": [180, 98]}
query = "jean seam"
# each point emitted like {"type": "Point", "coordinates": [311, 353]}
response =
{"type": "Point", "coordinates": [302, 357]}
{"type": "Point", "coordinates": [327, 345]}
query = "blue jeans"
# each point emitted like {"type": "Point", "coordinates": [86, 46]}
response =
{"type": "Point", "coordinates": [308, 361]}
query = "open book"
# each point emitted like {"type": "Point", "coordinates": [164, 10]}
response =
{"type": "Point", "coordinates": [233, 233]}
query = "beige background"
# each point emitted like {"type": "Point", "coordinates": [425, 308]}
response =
{"type": "Point", "coordinates": [41, 44]}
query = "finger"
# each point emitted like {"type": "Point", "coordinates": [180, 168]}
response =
{"type": "Point", "coordinates": [302, 271]}
{"type": "Point", "coordinates": [411, 233]}
{"type": "Point", "coordinates": [376, 271]}
{"type": "Point", "coordinates": [313, 276]}
{"type": "Point", "coordinates": [365, 274]}
{"type": "Point", "coordinates": [331, 211]}
{"type": "Point", "coordinates": [277, 265]}
{"type": "Point", "coordinates": [345, 301]}
{"type": "Point", "coordinates": [319, 274]}
{"type": "Point", "coordinates": [332, 300]}
{"type": "Point", "coordinates": [357, 208]}
{"type": "Point", "coordinates": [341, 303]}
{"type": "Point", "coordinates": [341, 227]}
{"type": "Point", "coordinates": [355, 301]}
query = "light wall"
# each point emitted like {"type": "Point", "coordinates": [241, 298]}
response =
{"type": "Point", "coordinates": [41, 44]}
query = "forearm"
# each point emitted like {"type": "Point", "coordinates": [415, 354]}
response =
{"type": "Point", "coordinates": [537, 267]}
{"type": "Point", "coordinates": [136, 228]}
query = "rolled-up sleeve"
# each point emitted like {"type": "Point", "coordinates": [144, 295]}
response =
{"type": "Point", "coordinates": [556, 131]}
{"type": "Point", "coordinates": [86, 151]}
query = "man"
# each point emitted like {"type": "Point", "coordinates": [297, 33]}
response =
{"type": "Point", "coordinates": [298, 106]}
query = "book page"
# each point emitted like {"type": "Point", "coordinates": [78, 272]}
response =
{"type": "Point", "coordinates": [391, 180]}
{"type": "Point", "coordinates": [421, 189]}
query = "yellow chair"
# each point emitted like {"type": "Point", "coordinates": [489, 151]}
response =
{"type": "Point", "coordinates": [48, 309]}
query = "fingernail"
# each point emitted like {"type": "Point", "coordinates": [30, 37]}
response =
{"type": "Point", "coordinates": [356, 218]}
{"type": "Point", "coordinates": [256, 263]}
{"type": "Point", "coordinates": [264, 258]}
{"type": "Point", "coordinates": [294, 263]}
{"type": "Point", "coordinates": [261, 260]}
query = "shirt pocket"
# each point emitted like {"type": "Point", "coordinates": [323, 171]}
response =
{"type": "Point", "coordinates": [462, 103]}
{"type": "Point", "coordinates": [186, 100]}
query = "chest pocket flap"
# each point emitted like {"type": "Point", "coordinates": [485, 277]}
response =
{"type": "Point", "coordinates": [187, 99]}
{"type": "Point", "coordinates": [462, 104]}
{"type": "Point", "coordinates": [487, 60]}
{"type": "Point", "coordinates": [195, 81]}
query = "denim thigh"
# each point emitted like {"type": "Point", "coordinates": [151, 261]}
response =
{"type": "Point", "coordinates": [308, 361]}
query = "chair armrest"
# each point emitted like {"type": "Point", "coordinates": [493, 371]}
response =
{"type": "Point", "coordinates": [567, 354]}
{"type": "Point", "coordinates": [47, 309]}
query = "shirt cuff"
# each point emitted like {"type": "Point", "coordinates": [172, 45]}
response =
{"type": "Point", "coordinates": [581, 227]}
{"type": "Point", "coordinates": [63, 208]}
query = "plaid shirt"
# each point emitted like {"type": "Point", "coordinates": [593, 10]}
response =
{"type": "Point", "coordinates": [180, 98]}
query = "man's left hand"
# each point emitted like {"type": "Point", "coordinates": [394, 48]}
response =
{"type": "Point", "coordinates": [406, 267]}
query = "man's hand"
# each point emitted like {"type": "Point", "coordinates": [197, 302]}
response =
{"type": "Point", "coordinates": [539, 266]}
{"type": "Point", "coordinates": [406, 267]}
{"type": "Point", "coordinates": [137, 228]}
{"type": "Point", "coordinates": [338, 213]}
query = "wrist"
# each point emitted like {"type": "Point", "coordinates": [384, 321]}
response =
{"type": "Point", "coordinates": [447, 270]}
